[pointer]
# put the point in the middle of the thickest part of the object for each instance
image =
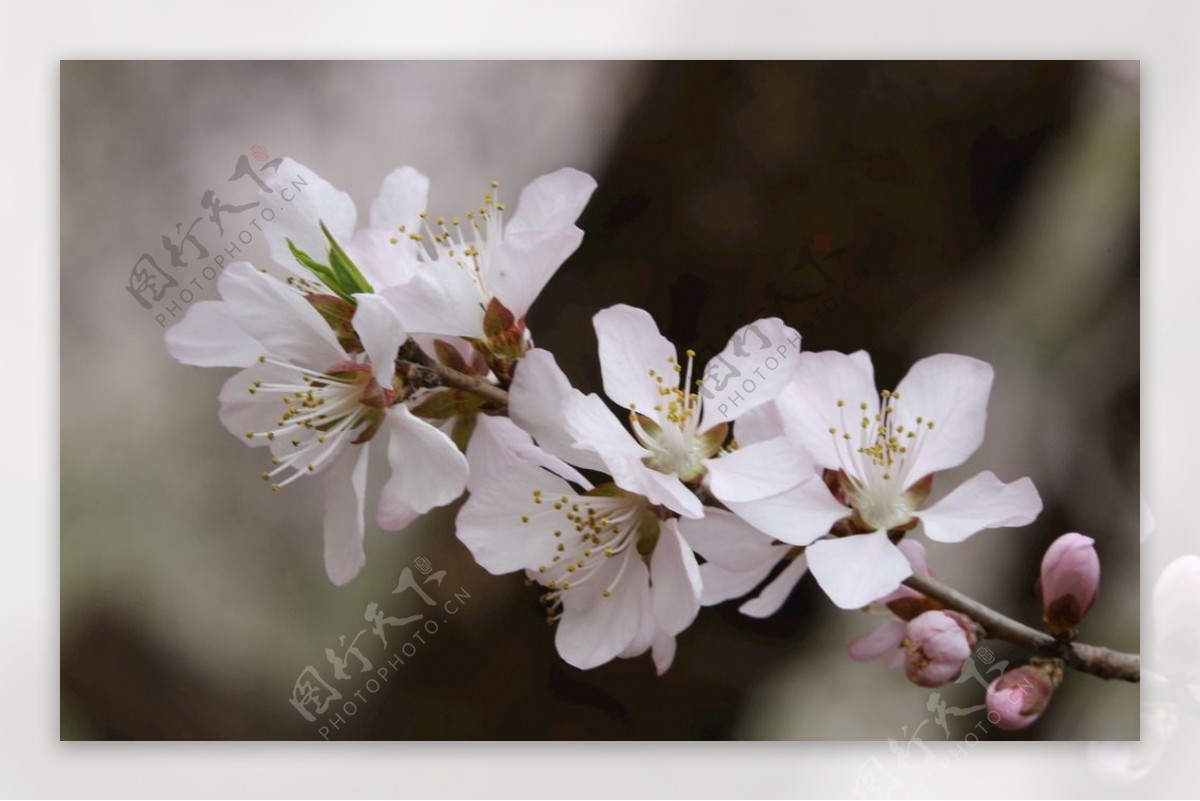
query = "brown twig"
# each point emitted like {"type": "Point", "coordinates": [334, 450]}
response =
{"type": "Point", "coordinates": [1093, 659]}
{"type": "Point", "coordinates": [450, 377]}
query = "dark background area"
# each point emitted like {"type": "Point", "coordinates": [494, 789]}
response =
{"type": "Point", "coordinates": [905, 208]}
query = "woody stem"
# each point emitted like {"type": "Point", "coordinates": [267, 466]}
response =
{"type": "Point", "coordinates": [448, 376]}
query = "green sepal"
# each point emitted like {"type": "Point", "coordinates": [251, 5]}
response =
{"type": "Point", "coordinates": [447, 403]}
{"type": "Point", "coordinates": [351, 279]}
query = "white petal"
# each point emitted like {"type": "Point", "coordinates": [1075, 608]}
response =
{"type": "Point", "coordinates": [754, 368]}
{"type": "Point", "coordinates": [630, 348]}
{"type": "Point", "coordinates": [279, 318]}
{"type": "Point", "coordinates": [726, 540]}
{"type": "Point", "coordinates": [914, 552]}
{"type": "Point", "coordinates": [660, 488]}
{"type": "Point", "coordinates": [774, 594]}
{"type": "Point", "coordinates": [797, 516]}
{"type": "Point", "coordinates": [551, 202]}
{"type": "Point", "coordinates": [402, 197]}
{"type": "Point", "coordinates": [595, 629]}
{"type": "Point", "coordinates": [809, 405]}
{"type": "Point", "coordinates": [345, 483]}
{"type": "Point", "coordinates": [663, 652]}
{"type": "Point", "coordinates": [855, 570]}
{"type": "Point", "coordinates": [757, 471]}
{"type": "Point", "coordinates": [312, 200]}
{"type": "Point", "coordinates": [491, 522]}
{"type": "Point", "coordinates": [535, 402]}
{"type": "Point", "coordinates": [952, 391]}
{"type": "Point", "coordinates": [520, 268]}
{"type": "Point", "coordinates": [498, 443]}
{"type": "Point", "coordinates": [208, 337]}
{"type": "Point", "coordinates": [980, 502]}
{"type": "Point", "coordinates": [381, 333]}
{"type": "Point", "coordinates": [880, 640]}
{"type": "Point", "coordinates": [383, 262]}
{"type": "Point", "coordinates": [441, 299]}
{"type": "Point", "coordinates": [427, 470]}
{"type": "Point", "coordinates": [647, 630]}
{"type": "Point", "coordinates": [720, 584]}
{"type": "Point", "coordinates": [675, 580]}
{"type": "Point", "coordinates": [758, 425]}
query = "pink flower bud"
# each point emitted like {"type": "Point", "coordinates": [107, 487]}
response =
{"type": "Point", "coordinates": [1069, 582]}
{"type": "Point", "coordinates": [1020, 696]}
{"type": "Point", "coordinates": [937, 644]}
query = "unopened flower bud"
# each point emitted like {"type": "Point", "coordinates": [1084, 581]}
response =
{"type": "Point", "coordinates": [1069, 581]}
{"type": "Point", "coordinates": [1020, 696]}
{"type": "Point", "coordinates": [937, 645]}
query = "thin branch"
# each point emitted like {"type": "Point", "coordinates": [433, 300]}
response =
{"type": "Point", "coordinates": [1093, 659]}
{"type": "Point", "coordinates": [453, 378]}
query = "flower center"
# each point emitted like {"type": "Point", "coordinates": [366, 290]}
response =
{"type": "Point", "coordinates": [320, 412]}
{"type": "Point", "coordinates": [670, 431]}
{"type": "Point", "coordinates": [876, 467]}
{"type": "Point", "coordinates": [594, 529]}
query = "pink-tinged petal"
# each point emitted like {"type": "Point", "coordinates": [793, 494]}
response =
{"type": "Point", "coordinates": [551, 202]}
{"type": "Point", "coordinates": [660, 488]}
{"type": "Point", "coordinates": [726, 540]}
{"type": "Point", "coordinates": [441, 299]}
{"type": "Point", "coordinates": [302, 200]}
{"type": "Point", "coordinates": [720, 584]}
{"type": "Point", "coordinates": [279, 318]}
{"type": "Point", "coordinates": [383, 259]}
{"type": "Point", "coordinates": [797, 516]}
{"type": "Point", "coordinates": [758, 425]}
{"type": "Point", "coordinates": [809, 405]}
{"type": "Point", "coordinates": [952, 392]}
{"type": "Point", "coordinates": [243, 412]}
{"type": "Point", "coordinates": [647, 630]}
{"type": "Point", "coordinates": [631, 347]}
{"type": "Point", "coordinates": [427, 470]}
{"type": "Point", "coordinates": [493, 526]}
{"type": "Point", "coordinates": [675, 580]}
{"type": "Point", "coordinates": [498, 443]}
{"type": "Point", "coordinates": [522, 265]}
{"type": "Point", "coordinates": [774, 594]}
{"type": "Point", "coordinates": [402, 197]}
{"type": "Point", "coordinates": [856, 570]}
{"type": "Point", "coordinates": [345, 483]}
{"type": "Point", "coordinates": [980, 502]}
{"type": "Point", "coordinates": [914, 552]}
{"type": "Point", "coordinates": [381, 333]}
{"type": "Point", "coordinates": [754, 368]}
{"type": "Point", "coordinates": [535, 402]}
{"type": "Point", "coordinates": [663, 652]}
{"type": "Point", "coordinates": [595, 629]}
{"type": "Point", "coordinates": [208, 337]}
{"type": "Point", "coordinates": [756, 471]}
{"type": "Point", "coordinates": [880, 640]}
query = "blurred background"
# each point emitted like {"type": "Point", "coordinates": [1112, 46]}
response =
{"type": "Point", "coordinates": [908, 208]}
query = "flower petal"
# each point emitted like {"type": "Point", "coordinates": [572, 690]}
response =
{"type": "Point", "coordinates": [675, 580]}
{"type": "Point", "coordinates": [855, 570]}
{"type": "Point", "coordinates": [441, 299]}
{"type": "Point", "coordinates": [952, 392]}
{"type": "Point", "coordinates": [381, 333]}
{"type": "Point", "coordinates": [631, 347]}
{"type": "Point", "coordinates": [758, 425]}
{"type": "Point", "coordinates": [809, 405]}
{"type": "Point", "coordinates": [278, 317]}
{"type": "Point", "coordinates": [384, 260]}
{"type": "Point", "coordinates": [520, 268]}
{"type": "Point", "coordinates": [427, 470]}
{"type": "Point", "coordinates": [980, 502]}
{"type": "Point", "coordinates": [313, 201]}
{"type": "Point", "coordinates": [754, 368]}
{"type": "Point", "coordinates": [727, 541]}
{"type": "Point", "coordinates": [797, 516]}
{"type": "Point", "coordinates": [208, 337]}
{"type": "Point", "coordinates": [551, 202]}
{"type": "Point", "coordinates": [402, 197]}
{"type": "Point", "coordinates": [663, 652]}
{"type": "Point", "coordinates": [774, 594]}
{"type": "Point", "coordinates": [720, 584]}
{"type": "Point", "coordinates": [756, 471]}
{"type": "Point", "coordinates": [498, 443]}
{"type": "Point", "coordinates": [345, 483]}
{"type": "Point", "coordinates": [880, 640]}
{"type": "Point", "coordinates": [535, 403]}
{"type": "Point", "coordinates": [492, 526]}
{"type": "Point", "coordinates": [595, 629]}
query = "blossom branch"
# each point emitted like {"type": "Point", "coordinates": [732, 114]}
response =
{"type": "Point", "coordinates": [448, 376]}
{"type": "Point", "coordinates": [1096, 660]}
